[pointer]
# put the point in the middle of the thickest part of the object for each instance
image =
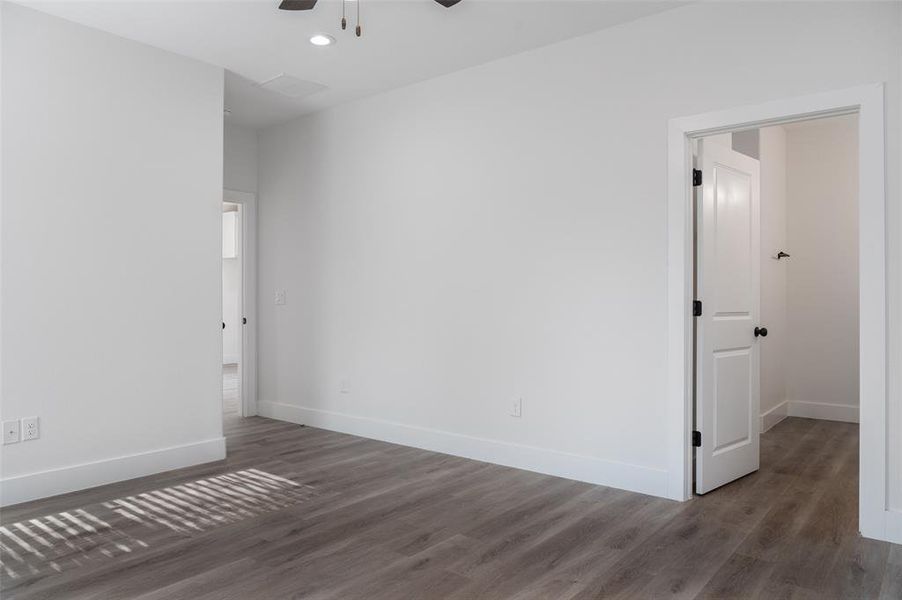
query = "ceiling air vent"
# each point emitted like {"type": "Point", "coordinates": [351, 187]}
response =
{"type": "Point", "coordinates": [291, 87]}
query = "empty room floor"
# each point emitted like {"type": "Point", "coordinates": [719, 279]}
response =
{"type": "Point", "coordinates": [298, 512]}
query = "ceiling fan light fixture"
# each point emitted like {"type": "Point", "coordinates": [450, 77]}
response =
{"type": "Point", "coordinates": [297, 4]}
{"type": "Point", "coordinates": [322, 39]}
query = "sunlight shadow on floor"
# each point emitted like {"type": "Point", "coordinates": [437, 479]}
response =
{"type": "Point", "coordinates": [88, 535]}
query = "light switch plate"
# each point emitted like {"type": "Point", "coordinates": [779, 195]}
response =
{"type": "Point", "coordinates": [11, 432]}
{"type": "Point", "coordinates": [280, 297]}
{"type": "Point", "coordinates": [30, 429]}
{"type": "Point", "coordinates": [517, 408]}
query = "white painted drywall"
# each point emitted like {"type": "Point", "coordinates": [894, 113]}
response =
{"type": "Point", "coordinates": [772, 157]}
{"type": "Point", "coordinates": [747, 142]}
{"type": "Point", "coordinates": [240, 158]}
{"type": "Point", "coordinates": [111, 332]}
{"type": "Point", "coordinates": [231, 293]}
{"type": "Point", "coordinates": [822, 276]}
{"type": "Point", "coordinates": [500, 232]}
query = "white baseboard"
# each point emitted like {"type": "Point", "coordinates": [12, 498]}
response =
{"type": "Point", "coordinates": [884, 525]}
{"type": "Point", "coordinates": [774, 416]}
{"type": "Point", "coordinates": [893, 527]}
{"type": "Point", "coordinates": [32, 486]}
{"type": "Point", "coordinates": [645, 480]}
{"type": "Point", "coordinates": [847, 413]}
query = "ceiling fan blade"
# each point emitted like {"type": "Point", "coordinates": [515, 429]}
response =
{"type": "Point", "coordinates": [297, 4]}
{"type": "Point", "coordinates": [447, 3]}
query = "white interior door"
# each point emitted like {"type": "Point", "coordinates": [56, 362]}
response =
{"type": "Point", "coordinates": [727, 345]}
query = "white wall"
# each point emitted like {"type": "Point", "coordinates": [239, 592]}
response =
{"type": "Point", "coordinates": [809, 302]}
{"type": "Point", "coordinates": [772, 151]}
{"type": "Point", "coordinates": [822, 277]}
{"type": "Point", "coordinates": [112, 191]}
{"type": "Point", "coordinates": [240, 158]}
{"type": "Point", "coordinates": [747, 142]}
{"type": "Point", "coordinates": [231, 301]}
{"type": "Point", "coordinates": [500, 232]}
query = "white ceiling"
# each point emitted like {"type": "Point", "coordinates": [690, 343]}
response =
{"type": "Point", "coordinates": [403, 41]}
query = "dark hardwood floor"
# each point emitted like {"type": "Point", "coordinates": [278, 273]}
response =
{"type": "Point", "coordinates": [297, 512]}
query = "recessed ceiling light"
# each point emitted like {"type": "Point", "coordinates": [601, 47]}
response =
{"type": "Point", "coordinates": [321, 39]}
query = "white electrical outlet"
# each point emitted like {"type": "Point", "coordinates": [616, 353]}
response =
{"type": "Point", "coordinates": [517, 408]}
{"type": "Point", "coordinates": [344, 386]}
{"type": "Point", "coordinates": [30, 429]}
{"type": "Point", "coordinates": [280, 297]}
{"type": "Point", "coordinates": [11, 432]}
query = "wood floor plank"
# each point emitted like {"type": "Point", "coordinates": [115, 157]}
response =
{"type": "Point", "coordinates": [892, 577]}
{"type": "Point", "coordinates": [740, 576]}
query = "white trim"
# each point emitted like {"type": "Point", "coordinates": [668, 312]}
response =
{"type": "Point", "coordinates": [868, 100]}
{"type": "Point", "coordinates": [43, 484]}
{"type": "Point", "coordinates": [635, 478]}
{"type": "Point", "coordinates": [893, 526]}
{"type": "Point", "coordinates": [231, 359]}
{"type": "Point", "coordinates": [247, 363]}
{"type": "Point", "coordinates": [847, 413]}
{"type": "Point", "coordinates": [771, 417]}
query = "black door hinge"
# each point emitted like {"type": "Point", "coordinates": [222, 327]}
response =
{"type": "Point", "coordinates": [696, 177]}
{"type": "Point", "coordinates": [244, 320]}
{"type": "Point", "coordinates": [696, 308]}
{"type": "Point", "coordinates": [697, 439]}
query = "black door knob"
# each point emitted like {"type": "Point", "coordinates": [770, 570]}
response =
{"type": "Point", "coordinates": [762, 331]}
{"type": "Point", "coordinates": [756, 329]}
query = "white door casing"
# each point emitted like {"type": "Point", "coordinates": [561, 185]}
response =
{"type": "Point", "coordinates": [727, 348]}
{"type": "Point", "coordinates": [875, 518]}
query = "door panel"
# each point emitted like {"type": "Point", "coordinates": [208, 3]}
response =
{"type": "Point", "coordinates": [732, 252]}
{"type": "Point", "coordinates": [732, 372]}
{"type": "Point", "coordinates": [727, 283]}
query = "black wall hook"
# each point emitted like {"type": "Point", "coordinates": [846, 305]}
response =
{"type": "Point", "coordinates": [781, 254]}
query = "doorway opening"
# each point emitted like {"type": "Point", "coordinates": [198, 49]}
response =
{"type": "Point", "coordinates": [239, 348]}
{"type": "Point", "coordinates": [875, 520]}
{"type": "Point", "coordinates": [232, 313]}
{"type": "Point", "coordinates": [776, 289]}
